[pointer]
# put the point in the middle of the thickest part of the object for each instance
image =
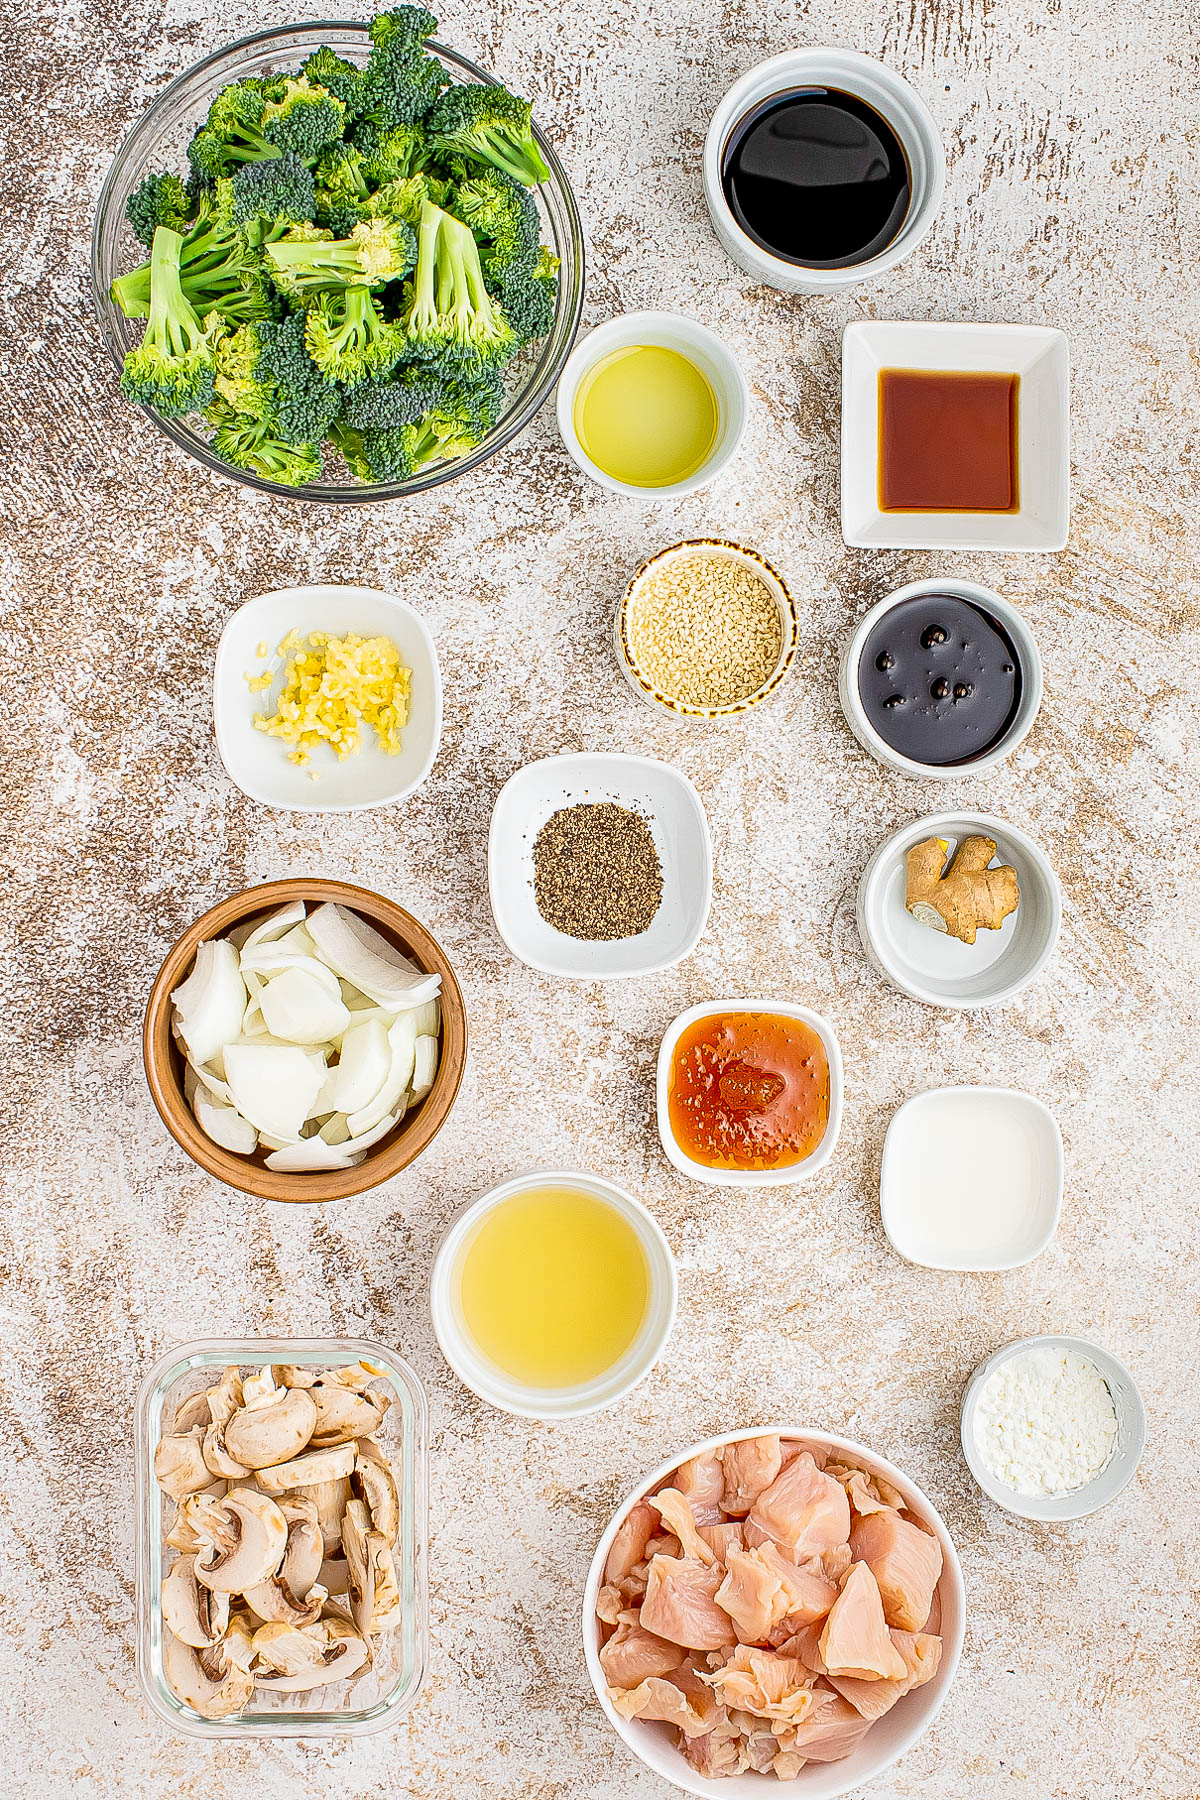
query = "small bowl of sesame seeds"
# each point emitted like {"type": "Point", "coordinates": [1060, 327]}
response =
{"type": "Point", "coordinates": [706, 630]}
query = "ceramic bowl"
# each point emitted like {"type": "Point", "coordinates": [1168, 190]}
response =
{"type": "Point", "coordinates": [489, 1382]}
{"type": "Point", "coordinates": [1116, 1474]}
{"type": "Point", "coordinates": [881, 88]}
{"type": "Point", "coordinates": [929, 965]}
{"type": "Point", "coordinates": [700, 346]}
{"type": "Point", "coordinates": [749, 1178]}
{"type": "Point", "coordinates": [893, 1734]}
{"type": "Point", "coordinates": [641, 684]}
{"type": "Point", "coordinates": [1036, 353]}
{"type": "Point", "coordinates": [415, 1132]}
{"type": "Point", "coordinates": [259, 764]}
{"type": "Point", "coordinates": [671, 807]}
{"type": "Point", "coordinates": [1014, 1132]}
{"type": "Point", "coordinates": [1028, 657]}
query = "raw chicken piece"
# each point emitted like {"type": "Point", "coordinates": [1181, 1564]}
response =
{"type": "Point", "coordinates": [835, 1562]}
{"type": "Point", "coordinates": [680, 1604]}
{"type": "Point", "coordinates": [855, 1640]}
{"type": "Point", "coordinates": [832, 1730]}
{"type": "Point", "coordinates": [677, 1515]}
{"type": "Point", "coordinates": [632, 1655]}
{"type": "Point", "coordinates": [718, 1752]}
{"type": "Point", "coordinates": [805, 1644]}
{"type": "Point", "coordinates": [749, 1467]}
{"type": "Point", "coordinates": [787, 1765]}
{"type": "Point", "coordinates": [760, 1746]}
{"type": "Point", "coordinates": [764, 1683]}
{"type": "Point", "coordinates": [701, 1481]}
{"type": "Point", "coordinates": [723, 1538]}
{"type": "Point", "coordinates": [614, 1597]}
{"type": "Point", "coordinates": [933, 1623]}
{"type": "Point", "coordinates": [905, 1561]}
{"type": "Point", "coordinates": [663, 1543]}
{"type": "Point", "coordinates": [657, 1698]}
{"type": "Point", "coordinates": [794, 1447]}
{"type": "Point", "coordinates": [629, 1546]}
{"type": "Point", "coordinates": [763, 1587]}
{"type": "Point", "coordinates": [805, 1511]}
{"type": "Point", "coordinates": [861, 1488]}
{"type": "Point", "coordinates": [922, 1657]}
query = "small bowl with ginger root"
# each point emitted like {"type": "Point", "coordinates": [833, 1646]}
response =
{"type": "Point", "coordinates": [959, 910]}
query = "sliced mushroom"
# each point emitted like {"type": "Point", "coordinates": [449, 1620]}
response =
{"type": "Point", "coordinates": [358, 1376]}
{"type": "Point", "coordinates": [342, 1414]}
{"type": "Point", "coordinates": [195, 1614]}
{"type": "Point", "coordinates": [272, 1429]}
{"type": "Point", "coordinates": [201, 1520]}
{"type": "Point", "coordinates": [341, 1652]}
{"type": "Point", "coordinates": [293, 1376]}
{"type": "Point", "coordinates": [192, 1412]}
{"type": "Point", "coordinates": [259, 1542]}
{"type": "Point", "coordinates": [374, 1591]}
{"type": "Point", "coordinates": [217, 1457]}
{"type": "Point", "coordinates": [329, 1498]}
{"type": "Point", "coordinates": [372, 1481]}
{"type": "Point", "coordinates": [259, 1385]}
{"type": "Point", "coordinates": [179, 1465]}
{"type": "Point", "coordinates": [284, 1650]}
{"type": "Point", "coordinates": [226, 1397]}
{"type": "Point", "coordinates": [294, 1594]}
{"type": "Point", "coordinates": [307, 1471]}
{"type": "Point", "coordinates": [334, 1575]}
{"type": "Point", "coordinates": [212, 1698]}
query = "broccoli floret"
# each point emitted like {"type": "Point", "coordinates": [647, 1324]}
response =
{"type": "Point", "coordinates": [402, 31]}
{"type": "Point", "coordinates": [233, 132]}
{"type": "Point", "coordinates": [401, 80]}
{"type": "Point", "coordinates": [239, 385]}
{"type": "Point", "coordinates": [159, 200]}
{"type": "Point", "coordinates": [337, 76]}
{"type": "Point", "coordinates": [450, 309]}
{"type": "Point", "coordinates": [218, 269]}
{"type": "Point", "coordinates": [492, 126]}
{"type": "Point", "coordinates": [306, 402]}
{"type": "Point", "coordinates": [528, 296]}
{"type": "Point", "coordinates": [404, 199]}
{"type": "Point", "coordinates": [349, 338]}
{"type": "Point", "coordinates": [380, 404]}
{"type": "Point", "coordinates": [305, 120]}
{"type": "Point", "coordinates": [171, 369]}
{"type": "Point", "coordinates": [254, 444]}
{"type": "Point", "coordinates": [376, 251]}
{"type": "Point", "coordinates": [395, 153]}
{"type": "Point", "coordinates": [280, 191]}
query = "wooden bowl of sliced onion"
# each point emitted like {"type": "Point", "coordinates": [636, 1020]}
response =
{"type": "Point", "coordinates": [305, 1040]}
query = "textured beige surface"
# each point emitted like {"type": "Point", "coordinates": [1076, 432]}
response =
{"type": "Point", "coordinates": [1072, 148]}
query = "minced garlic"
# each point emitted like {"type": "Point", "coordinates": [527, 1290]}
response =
{"type": "Point", "coordinates": [332, 687]}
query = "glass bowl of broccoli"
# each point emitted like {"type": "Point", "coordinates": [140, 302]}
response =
{"type": "Point", "coordinates": [338, 261]}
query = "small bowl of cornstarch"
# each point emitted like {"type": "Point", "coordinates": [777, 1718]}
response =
{"type": "Point", "coordinates": [1053, 1428]}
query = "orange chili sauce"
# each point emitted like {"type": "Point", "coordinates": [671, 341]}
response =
{"type": "Point", "coordinates": [749, 1091]}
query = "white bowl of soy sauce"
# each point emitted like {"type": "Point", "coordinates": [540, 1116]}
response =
{"type": "Point", "coordinates": [822, 169]}
{"type": "Point", "coordinates": [939, 678]}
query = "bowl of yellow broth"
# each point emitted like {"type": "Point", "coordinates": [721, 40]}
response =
{"type": "Point", "coordinates": [553, 1294]}
{"type": "Point", "coordinates": [652, 404]}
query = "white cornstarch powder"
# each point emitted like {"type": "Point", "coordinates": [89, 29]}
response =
{"type": "Point", "coordinates": [1045, 1423]}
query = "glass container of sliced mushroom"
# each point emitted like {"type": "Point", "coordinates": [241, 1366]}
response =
{"type": "Point", "coordinates": [281, 1537]}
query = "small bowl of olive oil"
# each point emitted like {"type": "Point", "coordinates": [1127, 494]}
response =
{"type": "Point", "coordinates": [652, 404]}
{"type": "Point", "coordinates": [553, 1294]}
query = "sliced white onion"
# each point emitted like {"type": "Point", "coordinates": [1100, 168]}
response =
{"type": "Point", "coordinates": [207, 1077]}
{"type": "Point", "coordinates": [357, 953]}
{"type": "Point", "coordinates": [425, 1062]}
{"type": "Point", "coordinates": [273, 1086]}
{"type": "Point", "coordinates": [428, 1018]}
{"type": "Point", "coordinates": [319, 1153]}
{"type": "Point", "coordinates": [272, 927]}
{"type": "Point", "coordinates": [336, 1129]}
{"type": "Point", "coordinates": [402, 1043]}
{"type": "Point", "coordinates": [363, 1066]}
{"type": "Point", "coordinates": [210, 1004]}
{"type": "Point", "coordinates": [298, 1006]}
{"type": "Point", "coordinates": [224, 1125]}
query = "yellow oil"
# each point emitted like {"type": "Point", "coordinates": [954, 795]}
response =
{"type": "Point", "coordinates": [553, 1287]}
{"type": "Point", "coordinates": [647, 416]}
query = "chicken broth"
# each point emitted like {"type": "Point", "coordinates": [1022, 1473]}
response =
{"type": "Point", "coordinates": [553, 1287]}
{"type": "Point", "coordinates": [947, 441]}
{"type": "Point", "coordinates": [749, 1091]}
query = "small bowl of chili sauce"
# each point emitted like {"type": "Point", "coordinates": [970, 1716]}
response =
{"type": "Point", "coordinates": [749, 1093]}
{"type": "Point", "coordinates": [940, 677]}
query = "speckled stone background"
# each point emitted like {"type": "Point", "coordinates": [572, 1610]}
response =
{"type": "Point", "coordinates": [1072, 139]}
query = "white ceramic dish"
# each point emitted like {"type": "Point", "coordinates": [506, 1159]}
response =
{"type": "Point", "coordinates": [888, 1738]}
{"type": "Point", "coordinates": [929, 965]}
{"type": "Point", "coordinates": [880, 87]}
{"type": "Point", "coordinates": [1039, 355]}
{"type": "Point", "coordinates": [749, 1178]}
{"type": "Point", "coordinates": [670, 806]}
{"type": "Point", "coordinates": [259, 764]}
{"type": "Point", "coordinates": [995, 1151]}
{"type": "Point", "coordinates": [490, 1383]}
{"type": "Point", "coordinates": [645, 689]}
{"type": "Point", "coordinates": [1029, 659]}
{"type": "Point", "coordinates": [703, 348]}
{"type": "Point", "coordinates": [1116, 1474]}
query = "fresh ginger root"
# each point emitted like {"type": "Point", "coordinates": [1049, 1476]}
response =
{"type": "Point", "coordinates": [968, 895]}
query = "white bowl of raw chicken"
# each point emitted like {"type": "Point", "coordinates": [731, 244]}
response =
{"type": "Point", "coordinates": [654, 1742]}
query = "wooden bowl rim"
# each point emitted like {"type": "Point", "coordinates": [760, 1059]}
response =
{"type": "Point", "coordinates": [401, 1147]}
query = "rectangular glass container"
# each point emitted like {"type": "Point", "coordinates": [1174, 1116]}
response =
{"type": "Point", "coordinates": [352, 1707]}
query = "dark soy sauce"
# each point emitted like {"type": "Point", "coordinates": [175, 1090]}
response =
{"type": "Point", "coordinates": [816, 177]}
{"type": "Point", "coordinates": [939, 680]}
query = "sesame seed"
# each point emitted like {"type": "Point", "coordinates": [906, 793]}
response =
{"type": "Point", "coordinates": [704, 630]}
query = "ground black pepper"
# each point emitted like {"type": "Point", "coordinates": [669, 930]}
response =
{"type": "Point", "coordinates": [596, 873]}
